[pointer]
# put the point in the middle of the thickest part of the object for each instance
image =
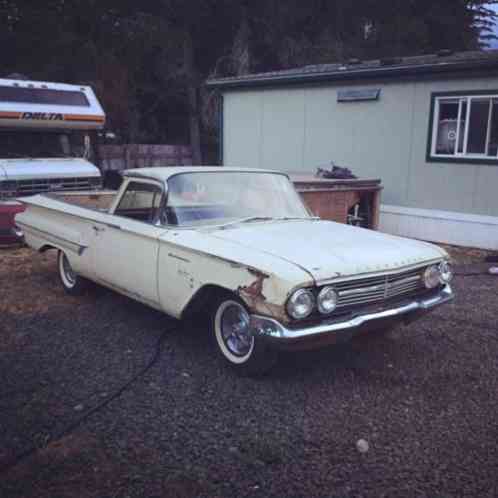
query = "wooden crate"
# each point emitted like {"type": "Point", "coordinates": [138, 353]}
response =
{"type": "Point", "coordinates": [335, 199]}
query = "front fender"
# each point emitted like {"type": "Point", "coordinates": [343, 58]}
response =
{"type": "Point", "coordinates": [183, 273]}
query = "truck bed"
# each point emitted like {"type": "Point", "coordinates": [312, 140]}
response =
{"type": "Point", "coordinates": [99, 200]}
{"type": "Point", "coordinates": [65, 220]}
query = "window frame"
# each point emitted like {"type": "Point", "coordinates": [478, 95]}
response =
{"type": "Point", "coordinates": [221, 171]}
{"type": "Point", "coordinates": [162, 202]}
{"type": "Point", "coordinates": [431, 156]}
{"type": "Point", "coordinates": [43, 96]}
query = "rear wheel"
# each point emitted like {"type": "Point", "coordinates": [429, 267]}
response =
{"type": "Point", "coordinates": [73, 284]}
{"type": "Point", "coordinates": [243, 352]}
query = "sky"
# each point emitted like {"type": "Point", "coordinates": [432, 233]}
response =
{"type": "Point", "coordinates": [494, 43]}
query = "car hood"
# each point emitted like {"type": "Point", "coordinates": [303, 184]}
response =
{"type": "Point", "coordinates": [24, 169]}
{"type": "Point", "coordinates": [325, 249]}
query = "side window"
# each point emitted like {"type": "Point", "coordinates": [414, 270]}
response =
{"type": "Point", "coordinates": [141, 201]}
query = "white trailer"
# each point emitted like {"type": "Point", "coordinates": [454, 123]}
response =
{"type": "Point", "coordinates": [48, 134]}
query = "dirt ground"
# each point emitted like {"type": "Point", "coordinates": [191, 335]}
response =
{"type": "Point", "coordinates": [465, 255]}
{"type": "Point", "coordinates": [424, 398]}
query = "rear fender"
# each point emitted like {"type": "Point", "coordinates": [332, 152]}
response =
{"type": "Point", "coordinates": [44, 230]}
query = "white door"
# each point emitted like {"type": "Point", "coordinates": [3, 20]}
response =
{"type": "Point", "coordinates": [127, 246]}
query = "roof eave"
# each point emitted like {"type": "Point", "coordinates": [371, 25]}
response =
{"type": "Point", "coordinates": [358, 74]}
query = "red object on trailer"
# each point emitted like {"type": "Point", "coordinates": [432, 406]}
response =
{"type": "Point", "coordinates": [9, 234]}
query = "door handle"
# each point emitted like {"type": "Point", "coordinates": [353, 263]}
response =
{"type": "Point", "coordinates": [98, 229]}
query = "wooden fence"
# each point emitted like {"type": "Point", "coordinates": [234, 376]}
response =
{"type": "Point", "coordinates": [119, 157]}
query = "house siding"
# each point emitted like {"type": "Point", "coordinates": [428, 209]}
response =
{"type": "Point", "coordinates": [297, 129]}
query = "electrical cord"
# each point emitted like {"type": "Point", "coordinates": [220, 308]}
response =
{"type": "Point", "coordinates": [72, 426]}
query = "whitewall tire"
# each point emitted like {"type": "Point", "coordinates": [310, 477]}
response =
{"type": "Point", "coordinates": [72, 283]}
{"type": "Point", "coordinates": [246, 354]}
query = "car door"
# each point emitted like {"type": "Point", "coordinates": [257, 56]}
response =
{"type": "Point", "coordinates": [127, 243]}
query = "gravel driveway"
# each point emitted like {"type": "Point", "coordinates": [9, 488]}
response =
{"type": "Point", "coordinates": [425, 399]}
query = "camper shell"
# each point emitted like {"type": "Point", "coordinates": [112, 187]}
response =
{"type": "Point", "coordinates": [48, 137]}
{"type": "Point", "coordinates": [36, 105]}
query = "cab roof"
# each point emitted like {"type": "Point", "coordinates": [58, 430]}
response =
{"type": "Point", "coordinates": [163, 173]}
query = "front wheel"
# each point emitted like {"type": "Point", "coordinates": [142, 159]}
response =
{"type": "Point", "coordinates": [72, 283]}
{"type": "Point", "coordinates": [239, 348]}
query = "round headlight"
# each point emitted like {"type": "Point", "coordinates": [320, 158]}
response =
{"type": "Point", "coordinates": [301, 304]}
{"type": "Point", "coordinates": [327, 300]}
{"type": "Point", "coordinates": [432, 277]}
{"type": "Point", "coordinates": [445, 272]}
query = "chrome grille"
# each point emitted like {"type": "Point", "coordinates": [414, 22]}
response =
{"type": "Point", "coordinates": [19, 188]}
{"type": "Point", "coordinates": [377, 289]}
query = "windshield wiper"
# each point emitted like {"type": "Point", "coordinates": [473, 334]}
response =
{"type": "Point", "coordinates": [255, 218]}
{"type": "Point", "coordinates": [290, 218]}
{"type": "Point", "coordinates": [249, 219]}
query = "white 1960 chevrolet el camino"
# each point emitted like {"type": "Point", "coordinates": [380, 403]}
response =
{"type": "Point", "coordinates": [240, 246]}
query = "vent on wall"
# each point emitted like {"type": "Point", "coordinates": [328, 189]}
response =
{"type": "Point", "coordinates": [358, 95]}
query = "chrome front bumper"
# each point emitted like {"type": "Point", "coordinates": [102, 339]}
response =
{"type": "Point", "coordinates": [338, 331]}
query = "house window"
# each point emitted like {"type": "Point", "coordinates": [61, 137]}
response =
{"type": "Point", "coordinates": [465, 127]}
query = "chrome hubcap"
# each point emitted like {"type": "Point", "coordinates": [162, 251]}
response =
{"type": "Point", "coordinates": [68, 271]}
{"type": "Point", "coordinates": [235, 330]}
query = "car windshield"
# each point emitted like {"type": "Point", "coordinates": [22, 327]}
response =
{"type": "Point", "coordinates": [37, 144]}
{"type": "Point", "coordinates": [223, 198]}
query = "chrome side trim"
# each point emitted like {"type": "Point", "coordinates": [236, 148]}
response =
{"type": "Point", "coordinates": [138, 297]}
{"type": "Point", "coordinates": [70, 245]}
{"type": "Point", "coordinates": [279, 333]}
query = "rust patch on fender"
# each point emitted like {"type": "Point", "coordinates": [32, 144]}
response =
{"type": "Point", "coordinates": [255, 299]}
{"type": "Point", "coordinates": [255, 290]}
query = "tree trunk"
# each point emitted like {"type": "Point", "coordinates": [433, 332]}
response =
{"type": "Point", "coordinates": [194, 123]}
{"type": "Point", "coordinates": [240, 49]}
{"type": "Point", "coordinates": [193, 99]}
